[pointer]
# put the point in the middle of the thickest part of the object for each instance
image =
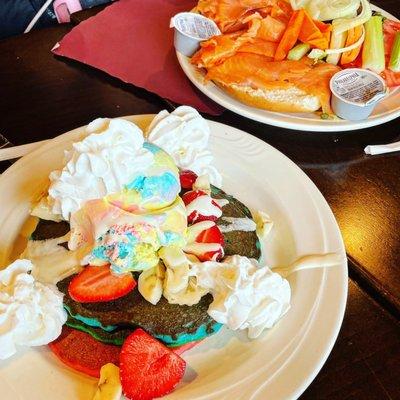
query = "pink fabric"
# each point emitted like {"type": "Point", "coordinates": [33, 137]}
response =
{"type": "Point", "coordinates": [132, 41]}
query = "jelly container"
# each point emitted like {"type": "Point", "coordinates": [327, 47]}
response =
{"type": "Point", "coordinates": [356, 92]}
{"type": "Point", "coordinates": [190, 30]}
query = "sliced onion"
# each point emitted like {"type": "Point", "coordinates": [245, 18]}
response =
{"type": "Point", "coordinates": [318, 53]}
{"type": "Point", "coordinates": [326, 10]}
{"type": "Point", "coordinates": [348, 48]}
{"type": "Point", "coordinates": [344, 24]}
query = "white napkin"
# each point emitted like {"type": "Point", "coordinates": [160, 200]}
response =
{"type": "Point", "coordinates": [382, 148]}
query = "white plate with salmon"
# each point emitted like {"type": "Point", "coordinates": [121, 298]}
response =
{"type": "Point", "coordinates": [274, 59]}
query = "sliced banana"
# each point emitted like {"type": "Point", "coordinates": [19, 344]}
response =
{"type": "Point", "coordinates": [188, 296]}
{"type": "Point", "coordinates": [263, 222]}
{"type": "Point", "coordinates": [202, 183]}
{"type": "Point", "coordinates": [109, 385]}
{"type": "Point", "coordinates": [150, 283]}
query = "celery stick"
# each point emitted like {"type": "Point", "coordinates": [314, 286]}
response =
{"type": "Point", "coordinates": [394, 63]}
{"type": "Point", "coordinates": [373, 54]}
{"type": "Point", "coordinates": [298, 51]}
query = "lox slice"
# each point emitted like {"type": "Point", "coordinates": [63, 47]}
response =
{"type": "Point", "coordinates": [262, 83]}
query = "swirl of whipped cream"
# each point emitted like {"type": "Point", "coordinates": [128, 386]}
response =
{"type": "Point", "coordinates": [246, 296]}
{"type": "Point", "coordinates": [31, 313]}
{"type": "Point", "coordinates": [102, 163]}
{"type": "Point", "coordinates": [184, 134]}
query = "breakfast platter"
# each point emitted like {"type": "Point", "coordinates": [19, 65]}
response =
{"type": "Point", "coordinates": [280, 216]}
{"type": "Point", "coordinates": [245, 70]}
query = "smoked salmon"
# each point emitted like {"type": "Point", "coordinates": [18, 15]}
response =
{"type": "Point", "coordinates": [229, 14]}
{"type": "Point", "coordinates": [255, 39]}
{"type": "Point", "coordinates": [256, 75]}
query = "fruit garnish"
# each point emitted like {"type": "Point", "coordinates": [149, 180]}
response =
{"type": "Point", "coordinates": [148, 369]}
{"type": "Point", "coordinates": [97, 284]}
{"type": "Point", "coordinates": [187, 179]}
{"type": "Point", "coordinates": [211, 235]}
{"type": "Point", "coordinates": [109, 385]}
{"type": "Point", "coordinates": [204, 209]}
{"type": "Point", "coordinates": [82, 352]}
{"type": "Point", "coordinates": [205, 241]}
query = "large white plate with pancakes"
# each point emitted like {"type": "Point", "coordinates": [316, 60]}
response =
{"type": "Point", "coordinates": [385, 111]}
{"type": "Point", "coordinates": [282, 362]}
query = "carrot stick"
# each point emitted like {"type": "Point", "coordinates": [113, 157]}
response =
{"type": "Point", "coordinates": [326, 30]}
{"type": "Point", "coordinates": [312, 34]}
{"type": "Point", "coordinates": [352, 36]}
{"type": "Point", "coordinates": [290, 36]}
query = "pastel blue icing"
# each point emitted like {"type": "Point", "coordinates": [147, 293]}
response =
{"type": "Point", "coordinates": [162, 186]}
{"type": "Point", "coordinates": [184, 338]}
{"type": "Point", "coordinates": [171, 238]}
{"type": "Point", "coordinates": [152, 147]}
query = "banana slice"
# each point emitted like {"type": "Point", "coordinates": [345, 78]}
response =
{"type": "Point", "coordinates": [264, 223]}
{"type": "Point", "coordinates": [188, 296]}
{"type": "Point", "coordinates": [150, 283]}
{"type": "Point", "coordinates": [109, 386]}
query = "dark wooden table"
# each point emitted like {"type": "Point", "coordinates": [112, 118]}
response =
{"type": "Point", "coordinates": [42, 96]}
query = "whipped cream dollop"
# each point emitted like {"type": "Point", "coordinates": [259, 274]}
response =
{"type": "Point", "coordinates": [246, 295]}
{"type": "Point", "coordinates": [111, 156]}
{"type": "Point", "coordinates": [184, 134]}
{"type": "Point", "coordinates": [31, 313]}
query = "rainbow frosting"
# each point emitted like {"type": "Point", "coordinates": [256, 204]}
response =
{"type": "Point", "coordinates": [126, 229]}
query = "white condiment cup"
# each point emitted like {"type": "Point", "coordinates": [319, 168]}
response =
{"type": "Point", "coordinates": [190, 30]}
{"type": "Point", "coordinates": [356, 92]}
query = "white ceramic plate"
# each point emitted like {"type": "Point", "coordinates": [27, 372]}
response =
{"type": "Point", "coordinates": [278, 365]}
{"type": "Point", "coordinates": [385, 111]}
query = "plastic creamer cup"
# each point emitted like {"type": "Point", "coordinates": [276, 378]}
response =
{"type": "Point", "coordinates": [190, 30]}
{"type": "Point", "coordinates": [355, 93]}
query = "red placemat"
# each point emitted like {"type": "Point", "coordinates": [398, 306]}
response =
{"type": "Point", "coordinates": [132, 41]}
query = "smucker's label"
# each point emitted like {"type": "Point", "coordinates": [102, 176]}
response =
{"type": "Point", "coordinates": [195, 25]}
{"type": "Point", "coordinates": [357, 86]}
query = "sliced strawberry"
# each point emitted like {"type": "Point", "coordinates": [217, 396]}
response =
{"type": "Point", "coordinates": [148, 369]}
{"type": "Point", "coordinates": [82, 352]}
{"type": "Point", "coordinates": [196, 215]}
{"type": "Point", "coordinates": [95, 284]}
{"type": "Point", "coordinates": [211, 235]}
{"type": "Point", "coordinates": [187, 178]}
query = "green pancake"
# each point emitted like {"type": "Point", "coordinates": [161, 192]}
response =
{"type": "Point", "coordinates": [171, 323]}
{"type": "Point", "coordinates": [49, 230]}
{"type": "Point", "coordinates": [237, 242]}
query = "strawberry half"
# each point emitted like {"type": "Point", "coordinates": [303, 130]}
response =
{"type": "Point", "coordinates": [211, 235]}
{"type": "Point", "coordinates": [187, 178]}
{"type": "Point", "coordinates": [148, 369]}
{"type": "Point", "coordinates": [196, 215]}
{"type": "Point", "coordinates": [96, 284]}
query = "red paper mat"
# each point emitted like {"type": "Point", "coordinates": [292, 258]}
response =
{"type": "Point", "coordinates": [132, 41]}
